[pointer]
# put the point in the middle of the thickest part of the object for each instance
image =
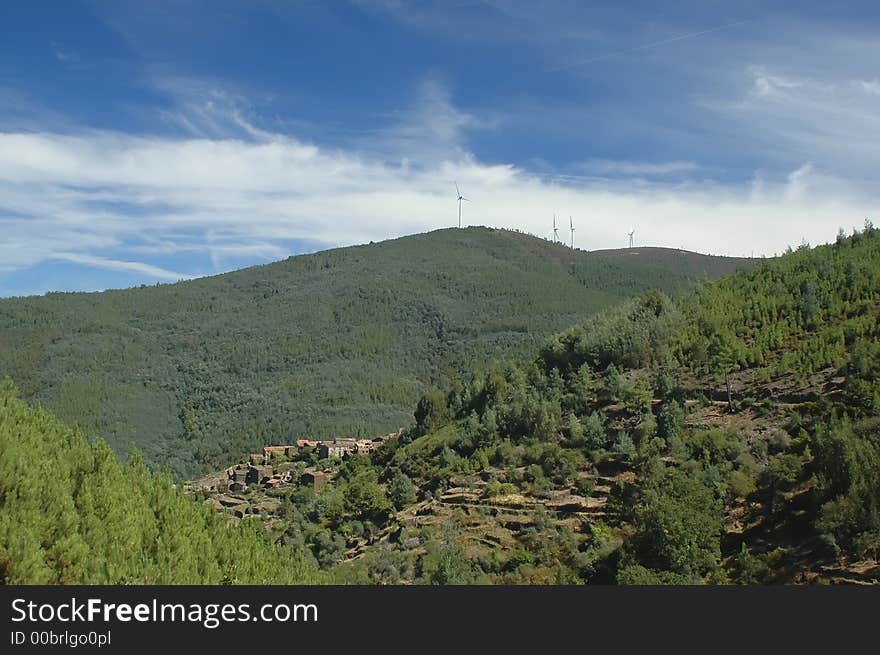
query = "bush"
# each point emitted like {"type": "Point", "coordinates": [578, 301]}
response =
{"type": "Point", "coordinates": [498, 488]}
{"type": "Point", "coordinates": [741, 484]}
{"type": "Point", "coordinates": [636, 574]}
{"type": "Point", "coordinates": [784, 470]}
{"type": "Point", "coordinates": [446, 563]}
{"type": "Point", "coordinates": [750, 568]}
{"type": "Point", "coordinates": [584, 486]}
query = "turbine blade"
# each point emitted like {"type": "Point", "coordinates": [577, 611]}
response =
{"type": "Point", "coordinates": [456, 189]}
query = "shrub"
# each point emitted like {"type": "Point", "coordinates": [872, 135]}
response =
{"type": "Point", "coordinates": [636, 574]}
{"type": "Point", "coordinates": [498, 488]}
{"type": "Point", "coordinates": [741, 484]}
{"type": "Point", "coordinates": [784, 470]}
{"type": "Point", "coordinates": [584, 486]}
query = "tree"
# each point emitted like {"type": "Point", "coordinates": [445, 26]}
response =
{"type": "Point", "coordinates": [71, 513]}
{"type": "Point", "coordinates": [613, 382]}
{"type": "Point", "coordinates": [575, 430]}
{"type": "Point", "coordinates": [595, 435]}
{"type": "Point", "coordinates": [363, 495]}
{"type": "Point", "coordinates": [671, 421]}
{"type": "Point", "coordinates": [431, 412]}
{"type": "Point", "coordinates": [848, 460]}
{"type": "Point", "coordinates": [678, 523]}
{"type": "Point", "coordinates": [402, 491]}
{"type": "Point", "coordinates": [722, 359]}
{"type": "Point", "coordinates": [445, 562]}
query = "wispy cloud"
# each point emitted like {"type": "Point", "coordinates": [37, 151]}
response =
{"type": "Point", "coordinates": [118, 265]}
{"type": "Point", "coordinates": [221, 181]}
{"type": "Point", "coordinates": [640, 168]}
{"type": "Point", "coordinates": [834, 123]}
{"type": "Point", "coordinates": [648, 46]}
{"type": "Point", "coordinates": [254, 194]}
{"type": "Point", "coordinates": [432, 130]}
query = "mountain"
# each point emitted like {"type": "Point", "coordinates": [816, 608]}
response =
{"type": "Point", "coordinates": [731, 434]}
{"type": "Point", "coordinates": [341, 342]}
{"type": "Point", "coordinates": [70, 513]}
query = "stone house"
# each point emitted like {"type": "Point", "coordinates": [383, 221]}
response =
{"type": "Point", "coordinates": [336, 448]}
{"type": "Point", "coordinates": [313, 478]}
{"type": "Point", "coordinates": [258, 474]}
{"type": "Point", "coordinates": [270, 451]}
{"type": "Point", "coordinates": [365, 446]}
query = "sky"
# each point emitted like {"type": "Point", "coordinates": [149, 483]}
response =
{"type": "Point", "coordinates": [149, 142]}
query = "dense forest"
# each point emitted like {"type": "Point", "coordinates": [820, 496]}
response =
{"type": "Point", "coordinates": [342, 342]}
{"type": "Point", "coordinates": [71, 513]}
{"type": "Point", "coordinates": [728, 435]}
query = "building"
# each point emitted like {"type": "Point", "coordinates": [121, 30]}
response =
{"type": "Point", "coordinates": [314, 478]}
{"type": "Point", "coordinates": [258, 474]}
{"type": "Point", "coordinates": [336, 448]}
{"type": "Point", "coordinates": [365, 446]}
{"type": "Point", "coordinates": [391, 435]}
{"type": "Point", "coordinates": [273, 451]}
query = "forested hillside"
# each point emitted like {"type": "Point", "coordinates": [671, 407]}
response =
{"type": "Point", "coordinates": [341, 342]}
{"type": "Point", "coordinates": [70, 513]}
{"type": "Point", "coordinates": [731, 435]}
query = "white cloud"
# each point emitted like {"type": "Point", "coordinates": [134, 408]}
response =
{"type": "Point", "coordinates": [231, 190]}
{"type": "Point", "coordinates": [79, 191]}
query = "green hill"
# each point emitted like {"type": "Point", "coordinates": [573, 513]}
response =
{"type": "Point", "coordinates": [341, 342]}
{"type": "Point", "coordinates": [70, 513]}
{"type": "Point", "coordinates": [729, 435]}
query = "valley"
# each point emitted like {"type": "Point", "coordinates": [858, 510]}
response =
{"type": "Point", "coordinates": [339, 342]}
{"type": "Point", "coordinates": [723, 432]}
{"type": "Point", "coordinates": [729, 436]}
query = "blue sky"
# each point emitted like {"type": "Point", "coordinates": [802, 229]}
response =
{"type": "Point", "coordinates": [150, 142]}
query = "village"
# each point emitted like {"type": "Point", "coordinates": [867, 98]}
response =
{"type": "Point", "coordinates": [279, 467]}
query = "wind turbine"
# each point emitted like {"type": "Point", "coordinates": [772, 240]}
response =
{"type": "Point", "coordinates": [555, 231]}
{"type": "Point", "coordinates": [632, 231]}
{"type": "Point", "coordinates": [571, 227]}
{"type": "Point", "coordinates": [460, 198]}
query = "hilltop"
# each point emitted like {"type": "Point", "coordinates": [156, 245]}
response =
{"type": "Point", "coordinates": [728, 435]}
{"type": "Point", "coordinates": [341, 342]}
{"type": "Point", "coordinates": [683, 261]}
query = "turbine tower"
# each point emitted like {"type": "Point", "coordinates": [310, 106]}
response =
{"type": "Point", "coordinates": [555, 231]}
{"type": "Point", "coordinates": [571, 228]}
{"type": "Point", "coordinates": [460, 198]}
{"type": "Point", "coordinates": [632, 231]}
